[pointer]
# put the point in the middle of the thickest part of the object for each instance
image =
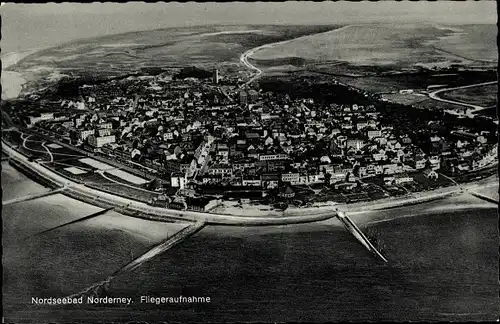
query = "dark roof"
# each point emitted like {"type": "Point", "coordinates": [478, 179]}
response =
{"type": "Point", "coordinates": [269, 177]}
{"type": "Point", "coordinates": [286, 190]}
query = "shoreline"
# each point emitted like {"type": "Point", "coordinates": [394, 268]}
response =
{"type": "Point", "coordinates": [293, 216]}
{"type": "Point", "coordinates": [13, 82]}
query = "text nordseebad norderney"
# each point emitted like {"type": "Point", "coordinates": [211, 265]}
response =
{"type": "Point", "coordinates": [118, 300]}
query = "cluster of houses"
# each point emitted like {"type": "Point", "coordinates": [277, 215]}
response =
{"type": "Point", "coordinates": [192, 131]}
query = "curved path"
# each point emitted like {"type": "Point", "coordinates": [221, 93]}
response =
{"type": "Point", "coordinates": [90, 194]}
{"type": "Point", "coordinates": [94, 196]}
{"type": "Point", "coordinates": [435, 95]}
{"type": "Point", "coordinates": [244, 57]}
{"type": "Point", "coordinates": [101, 172]}
{"type": "Point", "coordinates": [48, 151]}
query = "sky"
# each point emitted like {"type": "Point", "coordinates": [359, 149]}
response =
{"type": "Point", "coordinates": [30, 26]}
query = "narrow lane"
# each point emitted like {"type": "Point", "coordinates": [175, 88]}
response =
{"type": "Point", "coordinates": [435, 95]}
{"type": "Point", "coordinates": [244, 57]}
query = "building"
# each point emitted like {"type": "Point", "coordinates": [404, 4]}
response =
{"type": "Point", "coordinates": [220, 169]}
{"type": "Point", "coordinates": [418, 163]}
{"type": "Point", "coordinates": [68, 124]}
{"type": "Point", "coordinates": [100, 141]}
{"type": "Point", "coordinates": [243, 97]}
{"type": "Point", "coordinates": [253, 95]}
{"type": "Point", "coordinates": [178, 181]}
{"type": "Point", "coordinates": [270, 181]}
{"type": "Point", "coordinates": [361, 125]}
{"type": "Point", "coordinates": [435, 162]}
{"type": "Point", "coordinates": [202, 204]}
{"type": "Point", "coordinates": [161, 201]}
{"type": "Point", "coordinates": [168, 136]}
{"type": "Point", "coordinates": [345, 186]}
{"type": "Point", "coordinates": [215, 77]}
{"type": "Point", "coordinates": [290, 177]}
{"type": "Point", "coordinates": [251, 181]}
{"type": "Point", "coordinates": [103, 132]}
{"type": "Point", "coordinates": [85, 133]}
{"type": "Point", "coordinates": [286, 192]}
{"type": "Point", "coordinates": [355, 143]}
{"type": "Point", "coordinates": [105, 125]}
{"type": "Point", "coordinates": [469, 136]}
{"type": "Point", "coordinates": [42, 117]}
{"type": "Point", "coordinates": [374, 133]}
{"type": "Point", "coordinates": [269, 157]}
{"type": "Point", "coordinates": [392, 168]}
{"type": "Point", "coordinates": [402, 178]}
{"type": "Point", "coordinates": [431, 174]}
{"type": "Point", "coordinates": [179, 203]}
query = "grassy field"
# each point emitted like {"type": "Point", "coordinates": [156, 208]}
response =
{"type": "Point", "coordinates": [125, 192]}
{"type": "Point", "coordinates": [434, 104]}
{"type": "Point", "coordinates": [399, 45]}
{"type": "Point", "coordinates": [171, 47]}
{"type": "Point", "coordinates": [404, 99]}
{"type": "Point", "coordinates": [390, 82]}
{"type": "Point", "coordinates": [476, 42]}
{"type": "Point", "coordinates": [356, 50]}
{"type": "Point", "coordinates": [483, 96]}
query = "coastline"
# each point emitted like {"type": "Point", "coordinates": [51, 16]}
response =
{"type": "Point", "coordinates": [292, 216]}
{"type": "Point", "coordinates": [13, 81]}
{"type": "Point", "coordinates": [246, 214]}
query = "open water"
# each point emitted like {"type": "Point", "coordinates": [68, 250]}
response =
{"type": "Point", "coordinates": [443, 266]}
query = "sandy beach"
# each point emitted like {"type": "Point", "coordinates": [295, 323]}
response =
{"type": "Point", "coordinates": [13, 81]}
{"type": "Point", "coordinates": [150, 232]}
{"type": "Point", "coordinates": [260, 210]}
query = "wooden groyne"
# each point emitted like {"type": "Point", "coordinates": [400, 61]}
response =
{"type": "Point", "coordinates": [32, 197]}
{"type": "Point", "coordinates": [99, 213]}
{"type": "Point", "coordinates": [354, 230]}
{"type": "Point", "coordinates": [484, 197]}
{"type": "Point", "coordinates": [100, 287]}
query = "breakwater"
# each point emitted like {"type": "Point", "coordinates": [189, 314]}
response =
{"type": "Point", "coordinates": [102, 286]}
{"type": "Point", "coordinates": [99, 213]}
{"type": "Point", "coordinates": [143, 210]}
{"type": "Point", "coordinates": [32, 197]}
{"type": "Point", "coordinates": [484, 197]}
{"type": "Point", "coordinates": [358, 234]}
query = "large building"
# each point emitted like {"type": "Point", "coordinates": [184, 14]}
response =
{"type": "Point", "coordinates": [41, 117]}
{"type": "Point", "coordinates": [374, 133]}
{"type": "Point", "coordinates": [216, 76]}
{"type": "Point", "coordinates": [253, 95]}
{"type": "Point", "coordinates": [469, 136]}
{"type": "Point", "coordinates": [269, 157]}
{"type": "Point", "coordinates": [100, 141]}
{"type": "Point", "coordinates": [355, 143]}
{"type": "Point", "coordinates": [290, 177]}
{"type": "Point", "coordinates": [243, 97]}
{"type": "Point", "coordinates": [85, 133]}
{"type": "Point", "coordinates": [103, 132]}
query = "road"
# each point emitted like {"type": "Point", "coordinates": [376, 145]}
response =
{"type": "Point", "coordinates": [435, 95]}
{"type": "Point", "coordinates": [93, 195]}
{"type": "Point", "coordinates": [101, 172]}
{"type": "Point", "coordinates": [48, 151]}
{"type": "Point", "coordinates": [244, 57]}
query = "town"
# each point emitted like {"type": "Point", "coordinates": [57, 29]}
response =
{"type": "Point", "coordinates": [194, 139]}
